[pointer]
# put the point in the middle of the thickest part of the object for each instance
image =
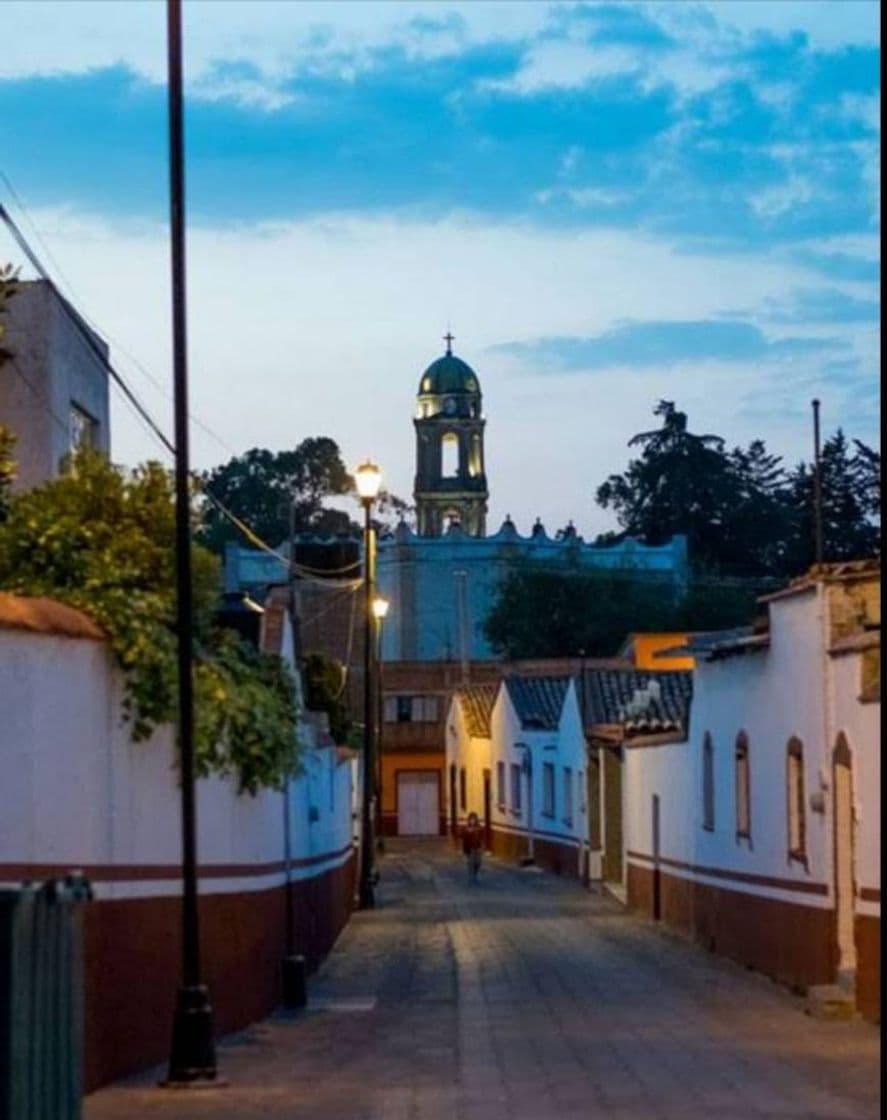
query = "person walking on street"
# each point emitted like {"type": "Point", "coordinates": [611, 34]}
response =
{"type": "Point", "coordinates": [472, 846]}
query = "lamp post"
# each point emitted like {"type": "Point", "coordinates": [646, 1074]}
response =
{"type": "Point", "coordinates": [368, 479]}
{"type": "Point", "coordinates": [380, 611]}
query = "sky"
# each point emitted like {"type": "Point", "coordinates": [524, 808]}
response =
{"type": "Point", "coordinates": [607, 203]}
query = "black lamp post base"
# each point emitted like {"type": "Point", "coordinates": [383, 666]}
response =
{"type": "Point", "coordinates": [367, 897]}
{"type": "Point", "coordinates": [192, 1060]}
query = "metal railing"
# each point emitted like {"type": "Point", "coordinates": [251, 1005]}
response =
{"type": "Point", "coordinates": [41, 999]}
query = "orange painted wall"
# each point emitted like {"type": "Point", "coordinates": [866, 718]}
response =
{"type": "Point", "coordinates": [645, 645]}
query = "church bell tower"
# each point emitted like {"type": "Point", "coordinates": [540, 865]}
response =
{"type": "Point", "coordinates": [451, 484]}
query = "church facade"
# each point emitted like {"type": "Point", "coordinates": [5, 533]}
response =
{"type": "Point", "coordinates": [442, 579]}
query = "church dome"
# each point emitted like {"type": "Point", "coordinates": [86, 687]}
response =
{"type": "Point", "coordinates": [448, 374]}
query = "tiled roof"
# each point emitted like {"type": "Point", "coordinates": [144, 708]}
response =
{"type": "Point", "coordinates": [829, 573]}
{"type": "Point", "coordinates": [46, 616]}
{"type": "Point", "coordinates": [538, 701]}
{"type": "Point", "coordinates": [477, 706]}
{"type": "Point", "coordinates": [640, 701]}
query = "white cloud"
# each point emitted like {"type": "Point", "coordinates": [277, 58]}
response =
{"type": "Point", "coordinates": [324, 326]}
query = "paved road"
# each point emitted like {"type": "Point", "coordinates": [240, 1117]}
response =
{"type": "Point", "coordinates": [524, 998]}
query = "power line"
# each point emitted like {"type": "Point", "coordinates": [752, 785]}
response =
{"type": "Point", "coordinates": [80, 325]}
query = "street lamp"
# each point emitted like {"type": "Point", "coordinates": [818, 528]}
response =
{"type": "Point", "coordinates": [380, 611]}
{"type": "Point", "coordinates": [368, 479]}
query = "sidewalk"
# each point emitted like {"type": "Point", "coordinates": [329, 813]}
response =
{"type": "Point", "coordinates": [524, 998]}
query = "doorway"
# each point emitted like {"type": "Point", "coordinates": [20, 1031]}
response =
{"type": "Point", "coordinates": [845, 887]}
{"type": "Point", "coordinates": [418, 798]}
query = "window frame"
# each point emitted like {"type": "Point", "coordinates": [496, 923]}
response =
{"type": "Point", "coordinates": [549, 790]}
{"type": "Point", "coordinates": [568, 795]}
{"type": "Point", "coordinates": [708, 783]}
{"type": "Point", "coordinates": [501, 785]}
{"type": "Point", "coordinates": [516, 791]}
{"type": "Point", "coordinates": [742, 787]}
{"type": "Point", "coordinates": [795, 801]}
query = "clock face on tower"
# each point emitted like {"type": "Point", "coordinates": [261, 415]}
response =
{"type": "Point", "coordinates": [449, 406]}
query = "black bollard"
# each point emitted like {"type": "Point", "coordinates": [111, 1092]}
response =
{"type": "Point", "coordinates": [292, 974]}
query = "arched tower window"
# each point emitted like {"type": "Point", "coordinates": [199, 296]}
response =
{"type": "Point", "coordinates": [708, 783]}
{"type": "Point", "coordinates": [449, 456]}
{"type": "Point", "coordinates": [743, 788]}
{"type": "Point", "coordinates": [797, 824]}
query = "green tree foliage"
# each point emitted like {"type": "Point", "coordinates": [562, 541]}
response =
{"type": "Point", "coordinates": [851, 501]}
{"type": "Point", "coordinates": [102, 539]}
{"type": "Point", "coordinates": [324, 692]}
{"type": "Point", "coordinates": [265, 488]}
{"type": "Point", "coordinates": [742, 513]}
{"type": "Point", "coordinates": [559, 611]}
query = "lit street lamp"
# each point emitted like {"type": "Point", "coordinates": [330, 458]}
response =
{"type": "Point", "coordinates": [380, 611]}
{"type": "Point", "coordinates": [368, 479]}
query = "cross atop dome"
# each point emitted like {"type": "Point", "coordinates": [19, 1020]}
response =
{"type": "Point", "coordinates": [448, 339]}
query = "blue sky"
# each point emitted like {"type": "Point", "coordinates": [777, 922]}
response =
{"type": "Point", "coordinates": [608, 202]}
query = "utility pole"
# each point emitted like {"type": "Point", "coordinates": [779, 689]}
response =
{"type": "Point", "coordinates": [192, 1053]}
{"type": "Point", "coordinates": [817, 488]}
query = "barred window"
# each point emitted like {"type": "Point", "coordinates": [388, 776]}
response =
{"type": "Point", "coordinates": [500, 784]}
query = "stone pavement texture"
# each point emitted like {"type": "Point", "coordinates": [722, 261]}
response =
{"type": "Point", "coordinates": [523, 998]}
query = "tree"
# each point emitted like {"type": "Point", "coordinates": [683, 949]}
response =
{"type": "Point", "coordinates": [742, 513]}
{"type": "Point", "coordinates": [266, 489]}
{"type": "Point", "coordinates": [680, 484]}
{"type": "Point", "coordinates": [324, 691]}
{"type": "Point", "coordinates": [851, 500]}
{"type": "Point", "coordinates": [557, 610]}
{"type": "Point", "coordinates": [103, 539]}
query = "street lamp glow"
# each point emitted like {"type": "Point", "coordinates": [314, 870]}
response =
{"type": "Point", "coordinates": [380, 607]}
{"type": "Point", "coordinates": [368, 479]}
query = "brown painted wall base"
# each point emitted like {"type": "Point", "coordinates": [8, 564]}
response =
{"type": "Point", "coordinates": [788, 941]}
{"type": "Point", "coordinates": [132, 960]}
{"type": "Point", "coordinates": [868, 967]}
{"type": "Point", "coordinates": [562, 859]}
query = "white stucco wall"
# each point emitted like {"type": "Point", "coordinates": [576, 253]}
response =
{"type": "Point", "coordinates": [861, 724]}
{"type": "Point", "coordinates": [791, 688]}
{"type": "Point", "coordinates": [78, 792]}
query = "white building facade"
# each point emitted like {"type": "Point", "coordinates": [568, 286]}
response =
{"type": "Point", "coordinates": [760, 833]}
{"type": "Point", "coordinates": [520, 766]}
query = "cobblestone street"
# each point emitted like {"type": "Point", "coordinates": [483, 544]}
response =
{"type": "Point", "coordinates": [523, 998]}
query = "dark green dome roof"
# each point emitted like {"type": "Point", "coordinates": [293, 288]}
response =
{"type": "Point", "coordinates": [449, 374]}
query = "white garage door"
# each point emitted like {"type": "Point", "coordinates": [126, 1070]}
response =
{"type": "Point", "coordinates": [417, 804]}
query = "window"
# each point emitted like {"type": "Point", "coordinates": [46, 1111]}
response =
{"type": "Point", "coordinates": [463, 789]}
{"type": "Point", "coordinates": [449, 456]}
{"type": "Point", "coordinates": [797, 825]}
{"type": "Point", "coordinates": [412, 709]}
{"type": "Point", "coordinates": [743, 788]}
{"type": "Point", "coordinates": [515, 787]}
{"type": "Point", "coordinates": [82, 429]}
{"type": "Point", "coordinates": [580, 792]}
{"type": "Point", "coordinates": [708, 783]}
{"type": "Point", "coordinates": [547, 789]}
{"type": "Point", "coordinates": [500, 784]}
{"type": "Point", "coordinates": [568, 795]}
